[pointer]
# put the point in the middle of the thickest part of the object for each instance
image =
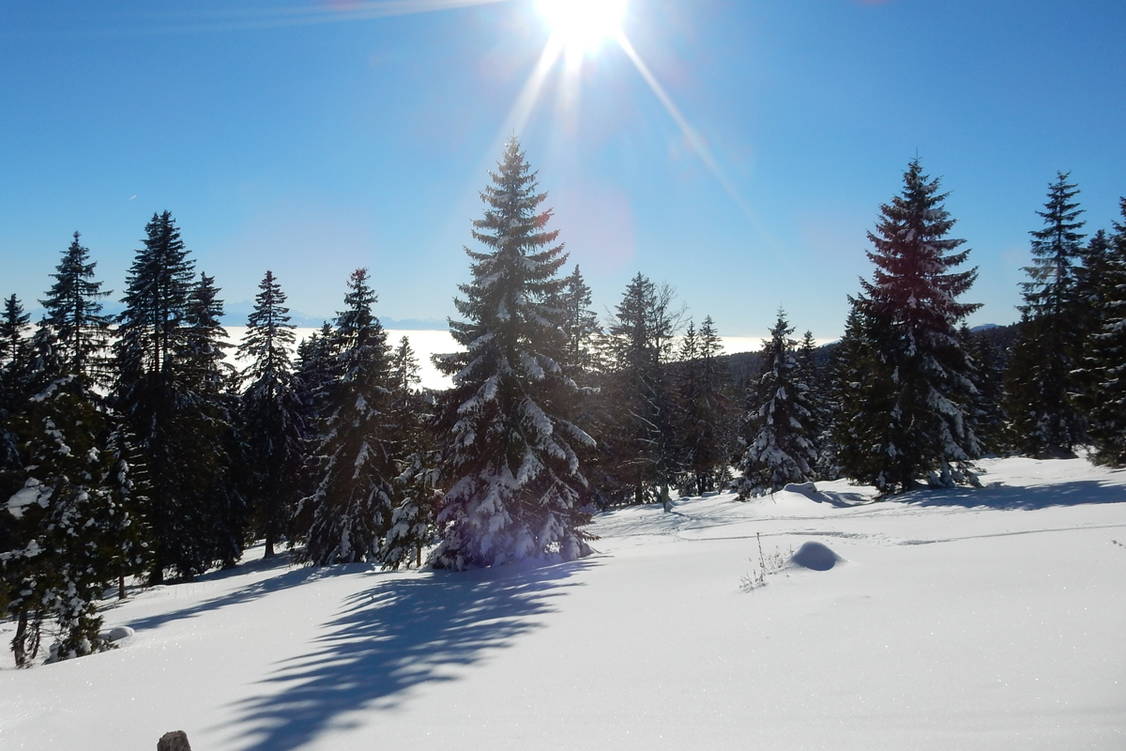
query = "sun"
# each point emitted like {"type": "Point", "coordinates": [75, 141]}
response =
{"type": "Point", "coordinates": [582, 26]}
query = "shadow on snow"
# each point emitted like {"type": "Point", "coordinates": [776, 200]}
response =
{"type": "Point", "coordinates": [1028, 498]}
{"type": "Point", "coordinates": [394, 636]}
{"type": "Point", "coordinates": [289, 578]}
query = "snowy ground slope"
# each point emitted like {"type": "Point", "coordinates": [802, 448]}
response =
{"type": "Point", "coordinates": [963, 619]}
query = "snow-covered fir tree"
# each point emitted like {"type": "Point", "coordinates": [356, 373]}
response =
{"type": "Point", "coordinates": [73, 311]}
{"type": "Point", "coordinates": [70, 529]}
{"type": "Point", "coordinates": [811, 375]}
{"type": "Point", "coordinates": [1045, 420]}
{"type": "Point", "coordinates": [912, 300]}
{"type": "Point", "coordinates": [410, 417]}
{"type": "Point", "coordinates": [350, 509]}
{"type": "Point", "coordinates": [513, 477]}
{"type": "Point", "coordinates": [1106, 362]}
{"type": "Point", "coordinates": [779, 429]}
{"type": "Point", "coordinates": [272, 414]}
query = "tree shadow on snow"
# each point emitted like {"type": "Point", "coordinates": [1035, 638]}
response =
{"type": "Point", "coordinates": [394, 636]}
{"type": "Point", "coordinates": [1027, 498]}
{"type": "Point", "coordinates": [287, 578]}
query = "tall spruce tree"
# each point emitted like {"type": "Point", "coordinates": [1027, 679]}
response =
{"type": "Point", "coordinates": [211, 394]}
{"type": "Point", "coordinates": [1106, 363]}
{"type": "Point", "coordinates": [350, 509]}
{"type": "Point", "coordinates": [780, 430]}
{"type": "Point", "coordinates": [158, 393]}
{"type": "Point", "coordinates": [912, 300]}
{"type": "Point", "coordinates": [73, 311]}
{"type": "Point", "coordinates": [513, 477]}
{"type": "Point", "coordinates": [272, 414]}
{"type": "Point", "coordinates": [1040, 382]}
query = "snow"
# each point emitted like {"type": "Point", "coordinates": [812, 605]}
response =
{"type": "Point", "coordinates": [31, 493]}
{"type": "Point", "coordinates": [965, 618]}
{"type": "Point", "coordinates": [816, 556]}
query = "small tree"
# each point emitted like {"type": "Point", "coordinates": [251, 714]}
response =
{"type": "Point", "coordinates": [73, 311]}
{"type": "Point", "coordinates": [411, 413]}
{"type": "Point", "coordinates": [780, 448]}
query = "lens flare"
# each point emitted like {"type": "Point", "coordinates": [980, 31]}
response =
{"type": "Point", "coordinates": [583, 25]}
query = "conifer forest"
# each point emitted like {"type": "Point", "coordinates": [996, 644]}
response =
{"type": "Point", "coordinates": [132, 449]}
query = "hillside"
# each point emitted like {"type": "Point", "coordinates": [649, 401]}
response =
{"type": "Point", "coordinates": [967, 619]}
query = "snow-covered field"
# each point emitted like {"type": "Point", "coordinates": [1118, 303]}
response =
{"type": "Point", "coordinates": [988, 619]}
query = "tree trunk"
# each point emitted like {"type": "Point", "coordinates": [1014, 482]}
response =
{"type": "Point", "coordinates": [121, 586]}
{"type": "Point", "coordinates": [19, 642]}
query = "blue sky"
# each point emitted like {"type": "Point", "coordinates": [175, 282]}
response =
{"type": "Point", "coordinates": [311, 138]}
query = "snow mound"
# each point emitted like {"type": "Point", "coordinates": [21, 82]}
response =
{"type": "Point", "coordinates": [117, 633]}
{"type": "Point", "coordinates": [814, 555]}
{"type": "Point", "coordinates": [809, 490]}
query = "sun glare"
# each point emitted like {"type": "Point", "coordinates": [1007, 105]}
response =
{"type": "Point", "coordinates": [583, 25]}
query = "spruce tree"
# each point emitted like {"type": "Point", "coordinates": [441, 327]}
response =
{"type": "Point", "coordinates": [513, 477]}
{"type": "Point", "coordinates": [1106, 363]}
{"type": "Point", "coordinates": [579, 325]}
{"type": "Point", "coordinates": [66, 540]}
{"type": "Point", "coordinates": [1044, 418]}
{"type": "Point", "coordinates": [860, 402]}
{"type": "Point", "coordinates": [639, 450]}
{"type": "Point", "coordinates": [350, 509]}
{"type": "Point", "coordinates": [912, 301]}
{"type": "Point", "coordinates": [157, 392]}
{"type": "Point", "coordinates": [272, 414]}
{"type": "Point", "coordinates": [13, 396]}
{"type": "Point", "coordinates": [580, 360]}
{"type": "Point", "coordinates": [811, 375]}
{"type": "Point", "coordinates": [73, 311]}
{"type": "Point", "coordinates": [210, 395]}
{"type": "Point", "coordinates": [704, 422]}
{"type": "Point", "coordinates": [779, 428]}
{"type": "Point", "coordinates": [988, 363]}
{"type": "Point", "coordinates": [12, 329]}
{"type": "Point", "coordinates": [410, 414]}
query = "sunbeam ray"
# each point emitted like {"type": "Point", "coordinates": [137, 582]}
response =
{"type": "Point", "coordinates": [530, 93]}
{"type": "Point", "coordinates": [237, 19]}
{"type": "Point", "coordinates": [694, 140]}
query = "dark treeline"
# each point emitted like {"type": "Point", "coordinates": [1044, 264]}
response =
{"type": "Point", "coordinates": [131, 449]}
